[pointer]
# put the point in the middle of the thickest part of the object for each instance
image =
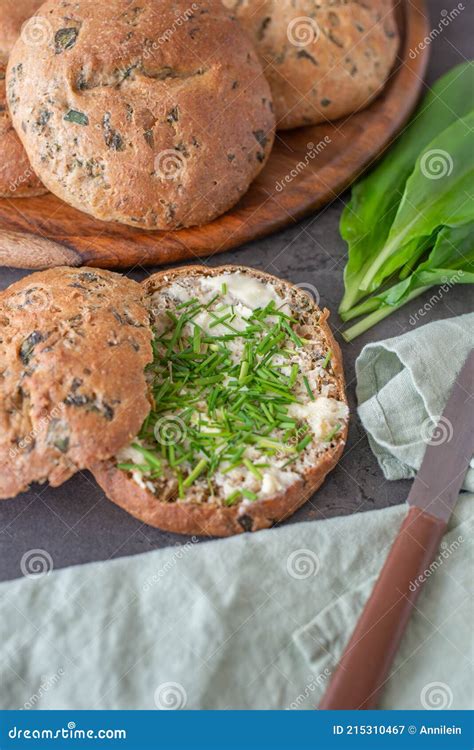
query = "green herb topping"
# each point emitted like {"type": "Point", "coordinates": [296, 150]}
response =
{"type": "Point", "coordinates": [223, 385]}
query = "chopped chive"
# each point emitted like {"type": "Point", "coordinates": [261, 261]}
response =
{"type": "Point", "coordinates": [333, 433]}
{"type": "Point", "coordinates": [308, 388]}
{"type": "Point", "coordinates": [189, 302]}
{"type": "Point", "coordinates": [327, 359]}
{"type": "Point", "coordinates": [304, 443]}
{"type": "Point", "coordinates": [179, 477]}
{"type": "Point", "coordinates": [296, 339]}
{"type": "Point", "coordinates": [253, 469]}
{"type": "Point", "coordinates": [220, 320]}
{"type": "Point", "coordinates": [196, 472]}
{"type": "Point", "coordinates": [197, 340]}
{"type": "Point", "coordinates": [244, 368]}
{"type": "Point", "coordinates": [171, 316]}
{"type": "Point", "coordinates": [275, 445]}
{"type": "Point", "coordinates": [230, 500]}
{"type": "Point", "coordinates": [293, 375]}
{"type": "Point", "coordinates": [224, 403]}
{"type": "Point", "coordinates": [142, 468]}
{"type": "Point", "coordinates": [149, 456]}
{"type": "Point", "coordinates": [249, 495]}
{"type": "Point", "coordinates": [209, 304]}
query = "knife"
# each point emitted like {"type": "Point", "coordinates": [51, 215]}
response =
{"type": "Point", "coordinates": [365, 665]}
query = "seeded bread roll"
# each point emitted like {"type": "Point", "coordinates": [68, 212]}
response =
{"type": "Point", "coordinates": [17, 178]}
{"type": "Point", "coordinates": [73, 347]}
{"type": "Point", "coordinates": [214, 396]}
{"type": "Point", "coordinates": [323, 59]}
{"type": "Point", "coordinates": [155, 114]}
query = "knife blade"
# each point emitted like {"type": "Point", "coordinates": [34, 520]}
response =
{"type": "Point", "coordinates": [449, 450]}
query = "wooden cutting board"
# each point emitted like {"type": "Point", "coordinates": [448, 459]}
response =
{"type": "Point", "coordinates": [308, 168]}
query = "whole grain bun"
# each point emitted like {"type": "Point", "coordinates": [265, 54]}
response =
{"type": "Point", "coordinates": [17, 178]}
{"type": "Point", "coordinates": [153, 114]}
{"type": "Point", "coordinates": [73, 347]}
{"type": "Point", "coordinates": [197, 513]}
{"type": "Point", "coordinates": [323, 59]}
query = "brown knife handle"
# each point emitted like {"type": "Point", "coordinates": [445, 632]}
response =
{"type": "Point", "coordinates": [365, 664]}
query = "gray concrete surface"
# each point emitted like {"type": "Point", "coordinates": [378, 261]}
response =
{"type": "Point", "coordinates": [76, 524]}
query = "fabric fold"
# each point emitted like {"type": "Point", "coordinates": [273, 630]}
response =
{"type": "Point", "coordinates": [402, 387]}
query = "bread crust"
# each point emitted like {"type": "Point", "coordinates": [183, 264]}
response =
{"type": "Point", "coordinates": [13, 14]}
{"type": "Point", "coordinates": [215, 520]}
{"type": "Point", "coordinates": [17, 178]}
{"type": "Point", "coordinates": [323, 59]}
{"type": "Point", "coordinates": [74, 344]}
{"type": "Point", "coordinates": [156, 115]}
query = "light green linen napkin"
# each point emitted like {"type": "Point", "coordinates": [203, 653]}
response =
{"type": "Point", "coordinates": [254, 622]}
{"type": "Point", "coordinates": [402, 387]}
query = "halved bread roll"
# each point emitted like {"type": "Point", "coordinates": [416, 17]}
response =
{"type": "Point", "coordinates": [249, 411]}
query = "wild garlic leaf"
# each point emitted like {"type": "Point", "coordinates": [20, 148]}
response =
{"type": "Point", "coordinates": [367, 219]}
{"type": "Point", "coordinates": [450, 262]}
{"type": "Point", "coordinates": [438, 193]}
